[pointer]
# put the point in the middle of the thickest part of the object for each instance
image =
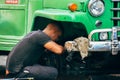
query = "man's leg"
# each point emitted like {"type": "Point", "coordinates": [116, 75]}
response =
{"type": "Point", "coordinates": [40, 72]}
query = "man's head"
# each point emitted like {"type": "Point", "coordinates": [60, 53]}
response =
{"type": "Point", "coordinates": [53, 30]}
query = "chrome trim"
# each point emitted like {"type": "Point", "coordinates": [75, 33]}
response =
{"type": "Point", "coordinates": [100, 46]}
{"type": "Point", "coordinates": [91, 2]}
{"type": "Point", "coordinates": [97, 31]}
{"type": "Point", "coordinates": [112, 45]}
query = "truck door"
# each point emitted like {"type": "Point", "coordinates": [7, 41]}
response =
{"type": "Point", "coordinates": [12, 18]}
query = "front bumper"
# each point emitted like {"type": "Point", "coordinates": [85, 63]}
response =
{"type": "Point", "coordinates": [112, 45]}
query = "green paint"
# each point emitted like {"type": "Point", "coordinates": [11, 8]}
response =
{"type": "Point", "coordinates": [16, 20]}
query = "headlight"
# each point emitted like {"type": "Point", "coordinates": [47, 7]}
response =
{"type": "Point", "coordinates": [103, 36]}
{"type": "Point", "coordinates": [96, 7]}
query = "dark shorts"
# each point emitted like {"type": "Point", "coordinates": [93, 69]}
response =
{"type": "Point", "coordinates": [37, 72]}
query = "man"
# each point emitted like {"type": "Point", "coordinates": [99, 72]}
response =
{"type": "Point", "coordinates": [22, 60]}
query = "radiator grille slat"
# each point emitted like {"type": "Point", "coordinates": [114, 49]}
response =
{"type": "Point", "coordinates": [116, 18]}
{"type": "Point", "coordinates": [116, 0]}
{"type": "Point", "coordinates": [115, 9]}
{"type": "Point", "coordinates": [116, 12]}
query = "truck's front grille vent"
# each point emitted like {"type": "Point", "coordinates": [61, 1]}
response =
{"type": "Point", "coordinates": [116, 0]}
{"type": "Point", "coordinates": [116, 12]}
{"type": "Point", "coordinates": [115, 9]}
{"type": "Point", "coordinates": [115, 18]}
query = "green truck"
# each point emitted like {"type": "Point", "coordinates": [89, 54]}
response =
{"type": "Point", "coordinates": [97, 20]}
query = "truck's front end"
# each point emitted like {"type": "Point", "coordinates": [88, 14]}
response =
{"type": "Point", "coordinates": [109, 37]}
{"type": "Point", "coordinates": [103, 37]}
{"type": "Point", "coordinates": [96, 20]}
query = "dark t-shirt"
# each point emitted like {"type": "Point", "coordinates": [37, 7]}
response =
{"type": "Point", "coordinates": [27, 52]}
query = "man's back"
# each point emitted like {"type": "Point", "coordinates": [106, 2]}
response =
{"type": "Point", "coordinates": [27, 52]}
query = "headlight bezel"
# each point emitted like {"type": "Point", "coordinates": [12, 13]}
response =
{"type": "Point", "coordinates": [92, 3]}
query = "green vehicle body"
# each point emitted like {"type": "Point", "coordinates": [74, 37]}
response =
{"type": "Point", "coordinates": [16, 20]}
{"type": "Point", "coordinates": [19, 18]}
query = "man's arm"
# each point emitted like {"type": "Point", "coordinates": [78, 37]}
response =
{"type": "Point", "coordinates": [54, 47]}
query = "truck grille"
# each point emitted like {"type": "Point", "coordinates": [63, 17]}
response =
{"type": "Point", "coordinates": [116, 12]}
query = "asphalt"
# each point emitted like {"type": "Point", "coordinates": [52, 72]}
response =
{"type": "Point", "coordinates": [3, 59]}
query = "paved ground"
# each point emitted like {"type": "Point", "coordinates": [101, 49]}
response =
{"type": "Point", "coordinates": [3, 60]}
{"type": "Point", "coordinates": [2, 65]}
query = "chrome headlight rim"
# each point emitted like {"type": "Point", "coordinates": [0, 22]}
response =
{"type": "Point", "coordinates": [92, 3]}
{"type": "Point", "coordinates": [103, 36]}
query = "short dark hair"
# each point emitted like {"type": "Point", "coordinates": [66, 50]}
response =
{"type": "Point", "coordinates": [59, 25]}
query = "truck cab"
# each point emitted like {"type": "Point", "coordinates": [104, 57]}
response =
{"type": "Point", "coordinates": [96, 20]}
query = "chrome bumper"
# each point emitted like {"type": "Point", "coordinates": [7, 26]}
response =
{"type": "Point", "coordinates": [112, 45]}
